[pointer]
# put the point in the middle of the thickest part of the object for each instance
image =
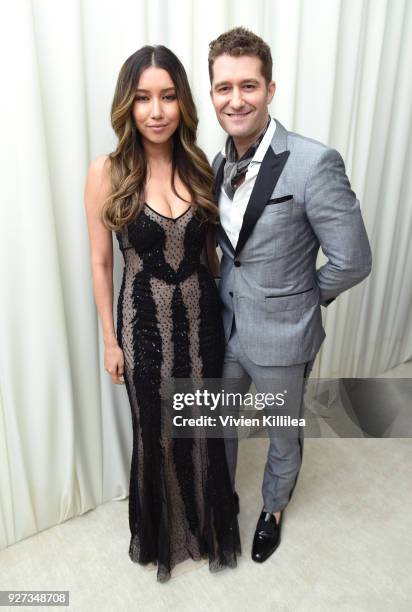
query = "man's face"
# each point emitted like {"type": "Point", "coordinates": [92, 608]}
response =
{"type": "Point", "coordinates": [240, 95]}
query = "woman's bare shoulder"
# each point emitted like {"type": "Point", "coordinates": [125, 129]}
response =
{"type": "Point", "coordinates": [100, 166]}
{"type": "Point", "coordinates": [98, 182]}
{"type": "Point", "coordinates": [98, 176]}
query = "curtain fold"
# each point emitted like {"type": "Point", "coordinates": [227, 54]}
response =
{"type": "Point", "coordinates": [342, 73]}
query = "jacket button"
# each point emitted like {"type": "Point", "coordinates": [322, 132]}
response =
{"type": "Point", "coordinates": [231, 293]}
{"type": "Point", "coordinates": [237, 263]}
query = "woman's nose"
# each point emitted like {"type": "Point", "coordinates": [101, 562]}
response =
{"type": "Point", "coordinates": [156, 110]}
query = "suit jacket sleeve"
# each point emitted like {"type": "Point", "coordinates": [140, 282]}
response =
{"type": "Point", "coordinates": [334, 214]}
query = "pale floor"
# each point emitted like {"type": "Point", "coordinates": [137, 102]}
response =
{"type": "Point", "coordinates": [346, 543]}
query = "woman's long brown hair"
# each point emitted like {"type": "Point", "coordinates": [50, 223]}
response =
{"type": "Point", "coordinates": [128, 166]}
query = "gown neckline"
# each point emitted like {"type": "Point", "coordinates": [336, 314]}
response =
{"type": "Point", "coordinates": [166, 216]}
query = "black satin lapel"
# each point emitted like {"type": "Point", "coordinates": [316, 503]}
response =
{"type": "Point", "coordinates": [224, 238]}
{"type": "Point", "coordinates": [269, 173]}
{"type": "Point", "coordinates": [218, 183]}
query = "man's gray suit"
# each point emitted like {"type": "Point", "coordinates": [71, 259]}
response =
{"type": "Point", "coordinates": [302, 200]}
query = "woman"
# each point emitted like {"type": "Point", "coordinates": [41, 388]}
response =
{"type": "Point", "coordinates": [155, 192]}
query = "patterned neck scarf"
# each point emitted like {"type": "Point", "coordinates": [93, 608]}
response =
{"type": "Point", "coordinates": [235, 168]}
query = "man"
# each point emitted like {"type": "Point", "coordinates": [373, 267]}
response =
{"type": "Point", "coordinates": [281, 197]}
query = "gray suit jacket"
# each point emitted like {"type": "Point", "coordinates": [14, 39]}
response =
{"type": "Point", "coordinates": [301, 200]}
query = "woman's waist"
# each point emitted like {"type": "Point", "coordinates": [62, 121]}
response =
{"type": "Point", "coordinates": [198, 280]}
{"type": "Point", "coordinates": [166, 275]}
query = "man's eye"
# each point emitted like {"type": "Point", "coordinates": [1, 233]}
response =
{"type": "Point", "coordinates": [223, 89]}
{"type": "Point", "coordinates": [249, 86]}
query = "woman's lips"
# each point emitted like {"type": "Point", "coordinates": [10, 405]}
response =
{"type": "Point", "coordinates": [157, 128]}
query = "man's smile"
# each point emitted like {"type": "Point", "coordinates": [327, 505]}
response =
{"type": "Point", "coordinates": [238, 114]}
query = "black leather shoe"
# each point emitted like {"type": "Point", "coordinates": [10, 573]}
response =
{"type": "Point", "coordinates": [267, 536]}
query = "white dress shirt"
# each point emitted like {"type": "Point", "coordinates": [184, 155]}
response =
{"type": "Point", "coordinates": [232, 211]}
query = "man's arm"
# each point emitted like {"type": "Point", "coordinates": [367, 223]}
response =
{"type": "Point", "coordinates": [334, 214]}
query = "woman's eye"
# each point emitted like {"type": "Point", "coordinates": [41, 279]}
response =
{"type": "Point", "coordinates": [141, 98]}
{"type": "Point", "coordinates": [170, 97]}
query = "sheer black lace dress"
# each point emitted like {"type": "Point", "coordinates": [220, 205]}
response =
{"type": "Point", "coordinates": [169, 325]}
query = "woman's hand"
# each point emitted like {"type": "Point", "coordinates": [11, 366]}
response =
{"type": "Point", "coordinates": [114, 363]}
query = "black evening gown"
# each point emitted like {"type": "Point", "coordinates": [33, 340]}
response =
{"type": "Point", "coordinates": [169, 325]}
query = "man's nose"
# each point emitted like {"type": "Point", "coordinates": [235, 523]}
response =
{"type": "Point", "coordinates": [236, 101]}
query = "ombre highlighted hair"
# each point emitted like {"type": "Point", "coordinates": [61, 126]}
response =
{"type": "Point", "coordinates": [128, 165]}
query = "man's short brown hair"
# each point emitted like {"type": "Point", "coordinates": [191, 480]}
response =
{"type": "Point", "coordinates": [237, 42]}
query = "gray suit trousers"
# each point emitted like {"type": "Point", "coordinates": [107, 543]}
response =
{"type": "Point", "coordinates": [285, 450]}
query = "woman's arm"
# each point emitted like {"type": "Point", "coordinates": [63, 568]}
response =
{"type": "Point", "coordinates": [214, 263]}
{"type": "Point", "coordinates": [97, 189]}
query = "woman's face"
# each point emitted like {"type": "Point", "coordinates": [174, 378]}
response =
{"type": "Point", "coordinates": [156, 110]}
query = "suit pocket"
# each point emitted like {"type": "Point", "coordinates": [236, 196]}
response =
{"type": "Point", "coordinates": [285, 198]}
{"type": "Point", "coordinates": [270, 297]}
{"type": "Point", "coordinates": [300, 300]}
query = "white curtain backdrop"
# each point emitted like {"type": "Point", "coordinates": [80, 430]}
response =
{"type": "Point", "coordinates": [343, 76]}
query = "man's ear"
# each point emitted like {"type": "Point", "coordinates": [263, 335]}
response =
{"type": "Point", "coordinates": [271, 91]}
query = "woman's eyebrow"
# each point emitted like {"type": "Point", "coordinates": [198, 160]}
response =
{"type": "Point", "coordinates": [162, 90]}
